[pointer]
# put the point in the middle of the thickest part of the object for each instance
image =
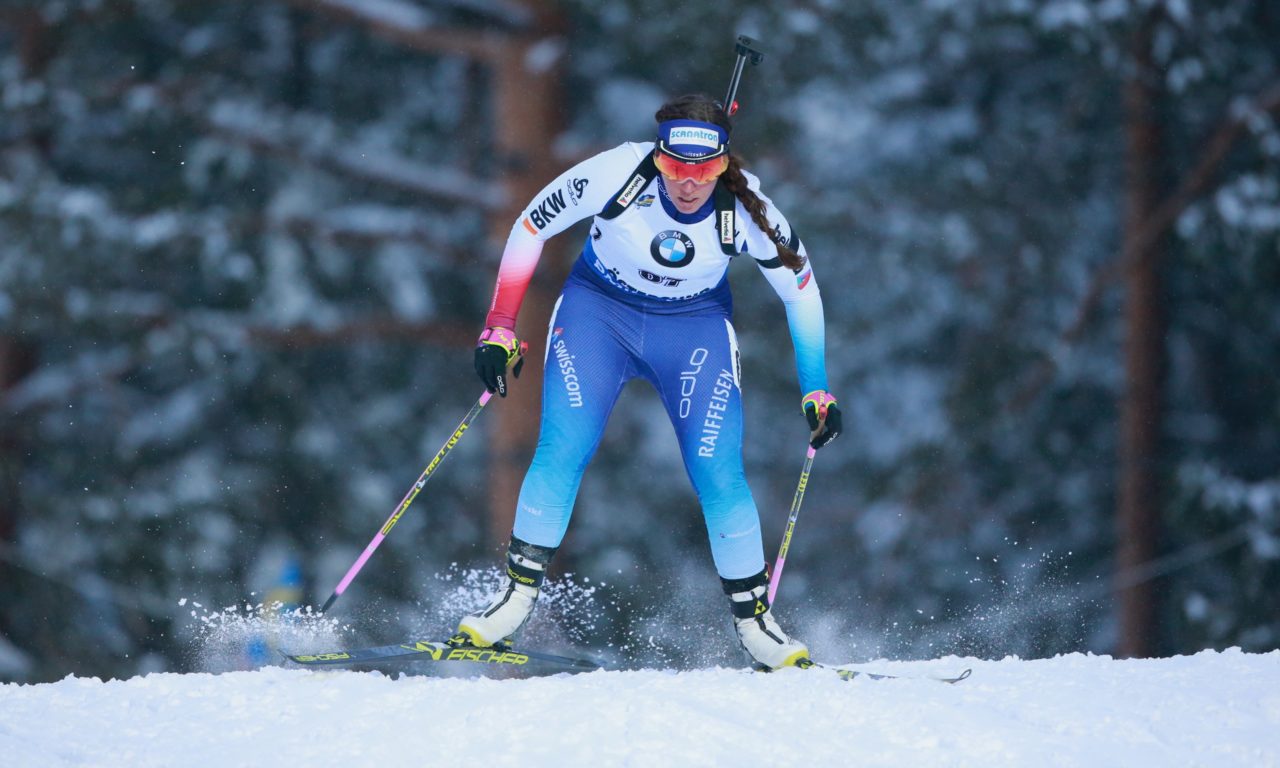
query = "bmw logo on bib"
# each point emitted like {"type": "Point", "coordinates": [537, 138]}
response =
{"type": "Point", "coordinates": [672, 248]}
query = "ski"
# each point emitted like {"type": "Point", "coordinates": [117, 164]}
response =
{"type": "Point", "coordinates": [507, 656]}
{"type": "Point", "coordinates": [853, 674]}
{"type": "Point", "coordinates": [426, 650]}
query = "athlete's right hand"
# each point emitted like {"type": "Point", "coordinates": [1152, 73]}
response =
{"type": "Point", "coordinates": [497, 351]}
{"type": "Point", "coordinates": [823, 415]}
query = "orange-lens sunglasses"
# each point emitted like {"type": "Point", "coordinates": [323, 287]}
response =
{"type": "Point", "coordinates": [702, 173]}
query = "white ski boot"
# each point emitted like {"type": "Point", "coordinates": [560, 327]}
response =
{"type": "Point", "coordinates": [510, 608]}
{"type": "Point", "coordinates": [758, 631]}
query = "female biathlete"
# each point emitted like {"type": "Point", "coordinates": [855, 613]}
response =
{"type": "Point", "coordinates": [649, 297]}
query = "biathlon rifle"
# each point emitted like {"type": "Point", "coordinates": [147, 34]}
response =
{"type": "Point", "coordinates": [746, 51]}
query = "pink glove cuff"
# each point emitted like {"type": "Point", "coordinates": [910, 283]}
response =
{"type": "Point", "coordinates": [821, 400]}
{"type": "Point", "coordinates": [504, 338]}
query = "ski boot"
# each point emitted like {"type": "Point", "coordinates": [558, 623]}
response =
{"type": "Point", "coordinates": [769, 647]}
{"type": "Point", "coordinates": [511, 607]}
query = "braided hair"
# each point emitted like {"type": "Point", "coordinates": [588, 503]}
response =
{"type": "Point", "coordinates": [707, 110]}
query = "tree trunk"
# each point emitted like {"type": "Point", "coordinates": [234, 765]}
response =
{"type": "Point", "coordinates": [16, 361]}
{"type": "Point", "coordinates": [523, 67]}
{"type": "Point", "coordinates": [36, 48]}
{"type": "Point", "coordinates": [527, 120]}
{"type": "Point", "coordinates": [1141, 412]}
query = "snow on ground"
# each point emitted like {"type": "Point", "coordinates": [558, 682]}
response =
{"type": "Point", "coordinates": [1211, 709]}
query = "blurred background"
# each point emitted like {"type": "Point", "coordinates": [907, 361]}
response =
{"type": "Point", "coordinates": [246, 247]}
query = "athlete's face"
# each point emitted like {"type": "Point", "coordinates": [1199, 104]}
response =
{"type": "Point", "coordinates": [689, 195]}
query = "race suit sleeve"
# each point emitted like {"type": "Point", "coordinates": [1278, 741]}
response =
{"type": "Point", "coordinates": [576, 194]}
{"type": "Point", "coordinates": [798, 291]}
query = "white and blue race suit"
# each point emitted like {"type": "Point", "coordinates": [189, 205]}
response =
{"type": "Point", "coordinates": [649, 297]}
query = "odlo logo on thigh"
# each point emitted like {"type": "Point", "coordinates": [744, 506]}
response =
{"type": "Point", "coordinates": [689, 380]}
{"type": "Point", "coordinates": [564, 361]}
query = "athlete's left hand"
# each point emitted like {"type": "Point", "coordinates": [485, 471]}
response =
{"type": "Point", "coordinates": [497, 352]}
{"type": "Point", "coordinates": [823, 415]}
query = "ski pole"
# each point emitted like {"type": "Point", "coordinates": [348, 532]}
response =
{"type": "Point", "coordinates": [776, 575]}
{"type": "Point", "coordinates": [408, 499]}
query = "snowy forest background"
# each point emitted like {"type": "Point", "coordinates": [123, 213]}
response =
{"type": "Point", "coordinates": [245, 248]}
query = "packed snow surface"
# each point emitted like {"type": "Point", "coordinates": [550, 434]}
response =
{"type": "Point", "coordinates": [1211, 709]}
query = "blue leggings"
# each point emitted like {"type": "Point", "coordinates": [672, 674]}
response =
{"type": "Point", "coordinates": [595, 345]}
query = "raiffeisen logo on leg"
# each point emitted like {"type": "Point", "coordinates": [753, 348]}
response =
{"type": "Point", "coordinates": [715, 414]}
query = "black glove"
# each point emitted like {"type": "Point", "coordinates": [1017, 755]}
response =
{"type": "Point", "coordinates": [498, 350]}
{"type": "Point", "coordinates": [823, 415]}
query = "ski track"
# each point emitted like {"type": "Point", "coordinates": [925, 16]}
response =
{"type": "Point", "coordinates": [1210, 709]}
